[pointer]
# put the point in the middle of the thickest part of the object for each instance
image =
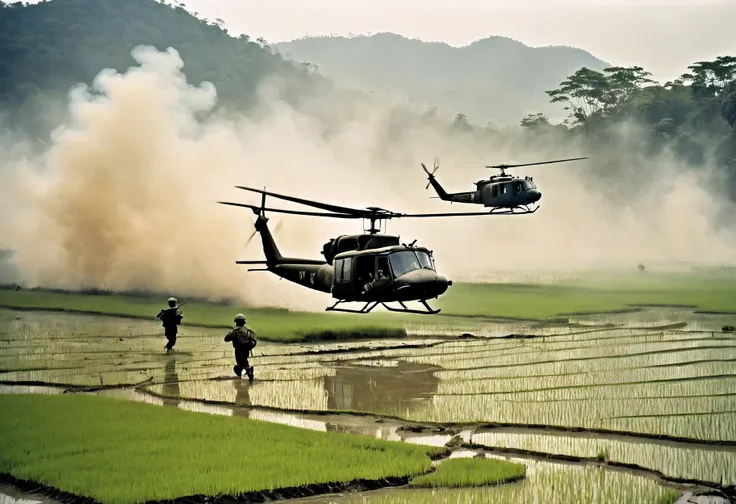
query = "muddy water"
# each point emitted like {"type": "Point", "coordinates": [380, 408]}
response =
{"type": "Point", "coordinates": [629, 376]}
{"type": "Point", "coordinates": [11, 495]}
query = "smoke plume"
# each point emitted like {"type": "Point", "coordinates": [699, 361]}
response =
{"type": "Point", "coordinates": [124, 197]}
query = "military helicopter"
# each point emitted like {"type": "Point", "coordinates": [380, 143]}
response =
{"type": "Point", "coordinates": [505, 194]}
{"type": "Point", "coordinates": [371, 268]}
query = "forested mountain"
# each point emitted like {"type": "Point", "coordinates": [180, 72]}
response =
{"type": "Point", "coordinates": [47, 47]}
{"type": "Point", "coordinates": [495, 79]}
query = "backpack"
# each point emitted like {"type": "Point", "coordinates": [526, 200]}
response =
{"type": "Point", "coordinates": [244, 338]}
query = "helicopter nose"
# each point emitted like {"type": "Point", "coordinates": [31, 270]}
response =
{"type": "Point", "coordinates": [423, 284]}
{"type": "Point", "coordinates": [535, 195]}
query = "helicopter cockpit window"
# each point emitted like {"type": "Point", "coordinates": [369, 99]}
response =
{"type": "Point", "coordinates": [404, 262]}
{"type": "Point", "coordinates": [425, 260]}
{"type": "Point", "coordinates": [519, 187]}
{"type": "Point", "coordinates": [529, 185]}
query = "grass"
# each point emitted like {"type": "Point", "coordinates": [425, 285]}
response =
{"type": "Point", "coordinates": [270, 324]}
{"type": "Point", "coordinates": [470, 472]}
{"type": "Point", "coordinates": [598, 293]}
{"type": "Point", "coordinates": [119, 452]}
{"type": "Point", "coordinates": [710, 291]}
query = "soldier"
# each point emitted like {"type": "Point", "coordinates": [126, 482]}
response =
{"type": "Point", "coordinates": [244, 340]}
{"type": "Point", "coordinates": [170, 318]}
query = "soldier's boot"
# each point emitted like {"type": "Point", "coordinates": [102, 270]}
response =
{"type": "Point", "coordinates": [250, 374]}
{"type": "Point", "coordinates": [238, 370]}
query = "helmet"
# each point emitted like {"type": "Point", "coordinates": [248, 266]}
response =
{"type": "Point", "coordinates": [172, 300]}
{"type": "Point", "coordinates": [239, 316]}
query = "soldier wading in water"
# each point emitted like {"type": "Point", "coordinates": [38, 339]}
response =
{"type": "Point", "coordinates": [170, 320]}
{"type": "Point", "coordinates": [244, 341]}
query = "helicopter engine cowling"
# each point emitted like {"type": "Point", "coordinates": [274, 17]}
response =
{"type": "Point", "coordinates": [345, 243]}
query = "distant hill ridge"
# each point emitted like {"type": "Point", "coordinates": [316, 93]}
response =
{"type": "Point", "coordinates": [50, 46]}
{"type": "Point", "coordinates": [493, 79]}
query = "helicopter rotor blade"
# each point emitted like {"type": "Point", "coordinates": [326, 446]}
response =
{"type": "Point", "coordinates": [450, 214]}
{"type": "Point", "coordinates": [504, 166]}
{"type": "Point", "coordinates": [256, 209]}
{"type": "Point", "coordinates": [250, 238]}
{"type": "Point", "coordinates": [424, 167]}
{"type": "Point", "coordinates": [436, 167]}
{"type": "Point", "coordinates": [316, 204]}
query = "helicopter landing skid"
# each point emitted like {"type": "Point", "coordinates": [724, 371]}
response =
{"type": "Point", "coordinates": [517, 210]}
{"type": "Point", "coordinates": [372, 304]}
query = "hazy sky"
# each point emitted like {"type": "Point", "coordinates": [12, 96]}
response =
{"type": "Point", "coordinates": [663, 36]}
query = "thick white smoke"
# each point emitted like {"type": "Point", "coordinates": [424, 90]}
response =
{"type": "Point", "coordinates": [124, 198]}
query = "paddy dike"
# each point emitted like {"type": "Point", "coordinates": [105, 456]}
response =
{"type": "Point", "coordinates": [413, 390]}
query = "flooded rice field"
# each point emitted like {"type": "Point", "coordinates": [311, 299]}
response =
{"type": "Point", "coordinates": [603, 409]}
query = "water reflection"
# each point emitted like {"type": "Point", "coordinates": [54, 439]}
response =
{"type": "Point", "coordinates": [170, 386]}
{"type": "Point", "coordinates": [242, 393]}
{"type": "Point", "coordinates": [388, 390]}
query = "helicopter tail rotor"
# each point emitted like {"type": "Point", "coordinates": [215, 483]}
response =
{"type": "Point", "coordinates": [275, 229]}
{"type": "Point", "coordinates": [435, 168]}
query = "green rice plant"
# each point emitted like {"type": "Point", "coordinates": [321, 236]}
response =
{"type": "Point", "coordinates": [547, 483]}
{"type": "Point", "coordinates": [121, 452]}
{"type": "Point", "coordinates": [470, 472]}
{"type": "Point", "coordinates": [708, 464]}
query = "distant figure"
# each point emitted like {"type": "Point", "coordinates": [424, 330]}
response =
{"type": "Point", "coordinates": [170, 320]}
{"type": "Point", "coordinates": [642, 269]}
{"type": "Point", "coordinates": [244, 341]}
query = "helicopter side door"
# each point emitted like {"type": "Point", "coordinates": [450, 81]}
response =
{"type": "Point", "coordinates": [498, 194]}
{"type": "Point", "coordinates": [342, 286]}
{"type": "Point", "coordinates": [505, 193]}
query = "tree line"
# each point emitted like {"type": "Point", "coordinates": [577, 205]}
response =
{"type": "Point", "coordinates": [693, 117]}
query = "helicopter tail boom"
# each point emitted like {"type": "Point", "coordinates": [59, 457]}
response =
{"type": "Point", "coordinates": [462, 197]}
{"type": "Point", "coordinates": [270, 250]}
{"type": "Point", "coordinates": [312, 273]}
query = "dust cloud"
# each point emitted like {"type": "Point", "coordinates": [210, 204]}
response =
{"type": "Point", "coordinates": [124, 197]}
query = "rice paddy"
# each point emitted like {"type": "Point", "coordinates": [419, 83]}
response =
{"type": "Point", "coordinates": [544, 483]}
{"type": "Point", "coordinates": [465, 472]}
{"type": "Point", "coordinates": [651, 389]}
{"type": "Point", "coordinates": [127, 452]}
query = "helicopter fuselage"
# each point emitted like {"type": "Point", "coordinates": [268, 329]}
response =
{"type": "Point", "coordinates": [387, 274]}
{"type": "Point", "coordinates": [496, 192]}
{"type": "Point", "coordinates": [508, 192]}
{"type": "Point", "coordinates": [392, 273]}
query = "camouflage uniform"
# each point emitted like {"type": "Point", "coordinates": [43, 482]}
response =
{"type": "Point", "coordinates": [244, 341]}
{"type": "Point", "coordinates": [170, 320]}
